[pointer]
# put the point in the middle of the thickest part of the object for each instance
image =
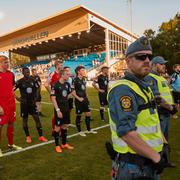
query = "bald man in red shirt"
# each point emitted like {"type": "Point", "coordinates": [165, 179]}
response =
{"type": "Point", "coordinates": [7, 102]}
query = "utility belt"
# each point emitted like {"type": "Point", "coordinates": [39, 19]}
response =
{"type": "Point", "coordinates": [134, 159]}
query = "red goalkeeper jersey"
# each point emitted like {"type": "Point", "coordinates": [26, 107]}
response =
{"type": "Point", "coordinates": [54, 77]}
{"type": "Point", "coordinates": [7, 100]}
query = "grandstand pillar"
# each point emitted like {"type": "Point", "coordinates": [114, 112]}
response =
{"type": "Point", "coordinates": [32, 58]}
{"type": "Point", "coordinates": [107, 47]}
{"type": "Point", "coordinates": [9, 54]}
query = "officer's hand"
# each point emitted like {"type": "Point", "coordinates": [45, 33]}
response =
{"type": "Point", "coordinates": [174, 110]}
{"type": "Point", "coordinates": [101, 90]}
{"type": "Point", "coordinates": [1, 111]}
{"type": "Point", "coordinates": [159, 166]}
{"type": "Point", "coordinates": [59, 114]}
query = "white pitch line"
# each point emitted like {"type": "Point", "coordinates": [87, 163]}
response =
{"type": "Point", "coordinates": [51, 104]}
{"type": "Point", "coordinates": [46, 103]}
{"type": "Point", "coordinates": [90, 108]}
{"type": "Point", "coordinates": [49, 142]}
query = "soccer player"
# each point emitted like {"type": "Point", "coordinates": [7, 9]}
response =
{"type": "Point", "coordinates": [70, 100]}
{"type": "Point", "coordinates": [38, 84]}
{"type": "Point", "coordinates": [102, 81]}
{"type": "Point", "coordinates": [82, 102]}
{"type": "Point", "coordinates": [52, 79]}
{"type": "Point", "coordinates": [28, 88]}
{"type": "Point", "coordinates": [59, 96]}
{"type": "Point", "coordinates": [7, 102]}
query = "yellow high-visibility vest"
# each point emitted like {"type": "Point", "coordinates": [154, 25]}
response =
{"type": "Point", "coordinates": [163, 88]}
{"type": "Point", "coordinates": [148, 125]}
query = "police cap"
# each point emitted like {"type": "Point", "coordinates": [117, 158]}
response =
{"type": "Point", "coordinates": [140, 44]}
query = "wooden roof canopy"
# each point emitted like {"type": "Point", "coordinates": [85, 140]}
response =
{"type": "Point", "coordinates": [66, 31]}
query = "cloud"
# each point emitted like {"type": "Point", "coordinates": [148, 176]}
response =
{"type": "Point", "coordinates": [1, 15]}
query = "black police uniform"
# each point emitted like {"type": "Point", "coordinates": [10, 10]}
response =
{"type": "Point", "coordinates": [79, 86]}
{"type": "Point", "coordinates": [28, 91]}
{"type": "Point", "coordinates": [61, 92]}
{"type": "Point", "coordinates": [38, 82]}
{"type": "Point", "coordinates": [103, 84]}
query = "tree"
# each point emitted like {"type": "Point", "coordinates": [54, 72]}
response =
{"type": "Point", "coordinates": [166, 42]}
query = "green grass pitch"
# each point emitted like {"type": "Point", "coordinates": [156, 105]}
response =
{"type": "Point", "coordinates": [88, 161]}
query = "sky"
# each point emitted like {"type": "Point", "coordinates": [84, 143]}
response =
{"type": "Point", "coordinates": [146, 14]}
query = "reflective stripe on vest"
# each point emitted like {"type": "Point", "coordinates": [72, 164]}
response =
{"type": "Point", "coordinates": [142, 129]}
{"type": "Point", "coordinates": [152, 143]}
{"type": "Point", "coordinates": [163, 88]}
{"type": "Point", "coordinates": [148, 126]}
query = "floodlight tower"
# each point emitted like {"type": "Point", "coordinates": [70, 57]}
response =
{"type": "Point", "coordinates": [130, 13]}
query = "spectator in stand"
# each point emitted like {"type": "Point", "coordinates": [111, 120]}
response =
{"type": "Point", "coordinates": [93, 63]}
{"type": "Point", "coordinates": [75, 57]}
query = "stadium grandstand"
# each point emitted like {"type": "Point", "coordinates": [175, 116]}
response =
{"type": "Point", "coordinates": [79, 36]}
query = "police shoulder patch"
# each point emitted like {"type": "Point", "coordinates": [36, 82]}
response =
{"type": "Point", "coordinates": [126, 103]}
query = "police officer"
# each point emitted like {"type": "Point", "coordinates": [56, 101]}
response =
{"type": "Point", "coordinates": [161, 91]}
{"type": "Point", "coordinates": [102, 81]}
{"type": "Point", "coordinates": [37, 79]}
{"type": "Point", "coordinates": [28, 87]}
{"type": "Point", "coordinates": [82, 102]}
{"type": "Point", "coordinates": [134, 122]}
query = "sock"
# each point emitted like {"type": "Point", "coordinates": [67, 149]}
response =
{"type": "Point", "coordinates": [78, 122]}
{"type": "Point", "coordinates": [87, 120]}
{"type": "Point", "coordinates": [26, 130]}
{"type": "Point", "coordinates": [64, 136]}
{"type": "Point", "coordinates": [56, 138]}
{"type": "Point", "coordinates": [10, 134]}
{"type": "Point", "coordinates": [39, 129]}
{"type": "Point", "coordinates": [102, 113]}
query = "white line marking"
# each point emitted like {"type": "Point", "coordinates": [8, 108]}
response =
{"type": "Point", "coordinates": [52, 104]}
{"type": "Point", "coordinates": [46, 103]}
{"type": "Point", "coordinates": [49, 142]}
{"type": "Point", "coordinates": [90, 108]}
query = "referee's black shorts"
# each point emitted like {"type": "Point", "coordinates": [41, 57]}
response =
{"type": "Point", "coordinates": [103, 98]}
{"type": "Point", "coordinates": [64, 120]}
{"type": "Point", "coordinates": [27, 109]}
{"type": "Point", "coordinates": [82, 106]}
